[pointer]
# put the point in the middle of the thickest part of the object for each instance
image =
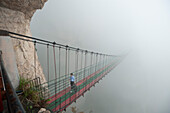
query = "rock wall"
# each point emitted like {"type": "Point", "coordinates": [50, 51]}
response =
{"type": "Point", "coordinates": [15, 16]}
{"type": "Point", "coordinates": [9, 59]}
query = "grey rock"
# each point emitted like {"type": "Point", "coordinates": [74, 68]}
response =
{"type": "Point", "coordinates": [42, 110]}
{"type": "Point", "coordinates": [15, 16]}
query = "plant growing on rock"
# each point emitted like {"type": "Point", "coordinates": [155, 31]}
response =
{"type": "Point", "coordinates": [30, 97]}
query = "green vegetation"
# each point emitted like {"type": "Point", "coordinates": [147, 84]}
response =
{"type": "Point", "coordinates": [29, 96]}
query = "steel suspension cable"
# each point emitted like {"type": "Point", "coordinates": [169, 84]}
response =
{"type": "Point", "coordinates": [35, 64]}
{"type": "Point", "coordinates": [96, 68]}
{"type": "Point", "coordinates": [39, 40]}
{"type": "Point", "coordinates": [81, 67]}
{"type": "Point", "coordinates": [48, 69]}
{"type": "Point", "coordinates": [83, 73]}
{"type": "Point", "coordinates": [81, 63]}
{"type": "Point", "coordinates": [35, 58]}
{"type": "Point", "coordinates": [85, 69]}
{"type": "Point", "coordinates": [68, 60]}
{"type": "Point", "coordinates": [65, 72]}
{"type": "Point", "coordinates": [91, 68]}
{"type": "Point", "coordinates": [55, 74]}
{"type": "Point", "coordinates": [104, 65]}
{"type": "Point", "coordinates": [76, 57]}
{"type": "Point", "coordinates": [48, 62]}
{"type": "Point", "coordinates": [69, 70]}
{"type": "Point", "coordinates": [59, 59]}
{"type": "Point", "coordinates": [107, 63]}
{"type": "Point", "coordinates": [100, 61]}
{"type": "Point", "coordinates": [88, 58]}
{"type": "Point", "coordinates": [99, 67]}
{"type": "Point", "coordinates": [77, 68]}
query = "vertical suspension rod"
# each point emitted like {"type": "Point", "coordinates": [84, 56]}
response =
{"type": "Point", "coordinates": [65, 73]}
{"type": "Point", "coordinates": [55, 73]}
{"type": "Point", "coordinates": [35, 59]}
{"type": "Point", "coordinates": [59, 58]}
{"type": "Point", "coordinates": [85, 69]}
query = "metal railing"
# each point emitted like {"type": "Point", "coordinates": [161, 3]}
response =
{"type": "Point", "coordinates": [13, 102]}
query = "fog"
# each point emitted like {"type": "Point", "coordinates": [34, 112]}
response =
{"type": "Point", "coordinates": [141, 82]}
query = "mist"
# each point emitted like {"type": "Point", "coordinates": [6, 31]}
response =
{"type": "Point", "coordinates": [141, 82]}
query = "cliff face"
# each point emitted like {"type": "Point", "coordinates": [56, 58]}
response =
{"type": "Point", "coordinates": [15, 16]}
{"type": "Point", "coordinates": [27, 7]}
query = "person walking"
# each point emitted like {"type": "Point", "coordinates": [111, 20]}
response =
{"type": "Point", "coordinates": [72, 79]}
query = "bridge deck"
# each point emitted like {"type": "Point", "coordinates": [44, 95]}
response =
{"type": "Point", "coordinates": [64, 98]}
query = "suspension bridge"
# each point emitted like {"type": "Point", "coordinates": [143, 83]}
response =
{"type": "Point", "coordinates": [88, 67]}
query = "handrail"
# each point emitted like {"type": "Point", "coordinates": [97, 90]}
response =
{"type": "Point", "coordinates": [46, 42]}
{"type": "Point", "coordinates": [14, 104]}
